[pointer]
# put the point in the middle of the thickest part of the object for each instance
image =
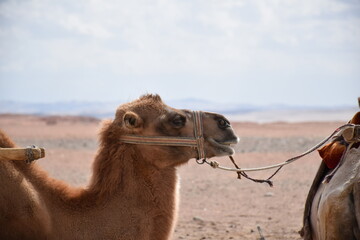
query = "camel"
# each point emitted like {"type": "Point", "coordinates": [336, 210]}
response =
{"type": "Point", "coordinates": [133, 192]}
{"type": "Point", "coordinates": [332, 208]}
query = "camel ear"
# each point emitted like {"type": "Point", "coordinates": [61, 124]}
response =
{"type": "Point", "coordinates": [132, 120]}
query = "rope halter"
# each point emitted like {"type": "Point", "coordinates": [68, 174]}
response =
{"type": "Point", "coordinates": [197, 141]}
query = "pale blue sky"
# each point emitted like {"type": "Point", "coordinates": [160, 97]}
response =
{"type": "Point", "coordinates": [227, 51]}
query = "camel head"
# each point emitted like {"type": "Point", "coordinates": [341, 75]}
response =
{"type": "Point", "coordinates": [149, 117]}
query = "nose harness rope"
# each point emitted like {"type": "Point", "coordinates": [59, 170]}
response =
{"type": "Point", "coordinates": [197, 141]}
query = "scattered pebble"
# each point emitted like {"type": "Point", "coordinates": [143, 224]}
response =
{"type": "Point", "coordinates": [269, 194]}
{"type": "Point", "coordinates": [198, 219]}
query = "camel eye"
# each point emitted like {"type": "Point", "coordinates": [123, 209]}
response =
{"type": "Point", "coordinates": [223, 123]}
{"type": "Point", "coordinates": [178, 121]}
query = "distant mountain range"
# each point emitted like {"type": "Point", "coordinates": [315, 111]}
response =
{"type": "Point", "coordinates": [243, 112]}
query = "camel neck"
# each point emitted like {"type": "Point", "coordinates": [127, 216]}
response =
{"type": "Point", "coordinates": [125, 171]}
{"type": "Point", "coordinates": [137, 183]}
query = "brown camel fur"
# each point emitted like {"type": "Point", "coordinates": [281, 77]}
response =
{"type": "Point", "coordinates": [133, 191]}
{"type": "Point", "coordinates": [332, 208]}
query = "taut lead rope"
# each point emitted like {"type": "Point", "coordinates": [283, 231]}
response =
{"type": "Point", "coordinates": [355, 132]}
{"type": "Point", "coordinates": [197, 141]}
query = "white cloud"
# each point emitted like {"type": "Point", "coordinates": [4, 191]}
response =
{"type": "Point", "coordinates": [74, 23]}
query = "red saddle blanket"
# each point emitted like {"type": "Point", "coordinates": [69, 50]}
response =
{"type": "Point", "coordinates": [332, 152]}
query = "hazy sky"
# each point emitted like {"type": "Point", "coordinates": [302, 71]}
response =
{"type": "Point", "coordinates": [297, 52]}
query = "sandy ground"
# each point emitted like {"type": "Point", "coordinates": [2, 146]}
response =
{"type": "Point", "coordinates": [213, 204]}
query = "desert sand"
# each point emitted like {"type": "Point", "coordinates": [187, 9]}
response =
{"type": "Point", "coordinates": [213, 204]}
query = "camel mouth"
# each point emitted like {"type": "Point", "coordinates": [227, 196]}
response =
{"type": "Point", "coordinates": [224, 148]}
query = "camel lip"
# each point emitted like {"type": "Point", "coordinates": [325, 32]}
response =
{"type": "Point", "coordinates": [224, 146]}
{"type": "Point", "coordinates": [228, 142]}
